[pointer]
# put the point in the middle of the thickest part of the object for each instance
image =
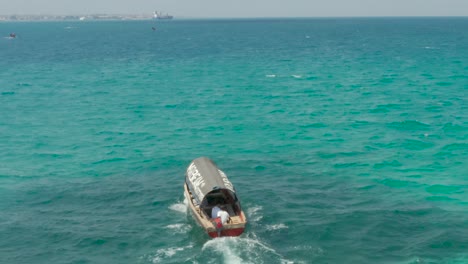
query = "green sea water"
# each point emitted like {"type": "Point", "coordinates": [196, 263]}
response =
{"type": "Point", "coordinates": [346, 139]}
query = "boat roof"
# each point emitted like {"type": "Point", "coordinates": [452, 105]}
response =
{"type": "Point", "coordinates": [203, 177]}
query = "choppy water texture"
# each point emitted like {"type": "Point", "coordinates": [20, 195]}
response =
{"type": "Point", "coordinates": [347, 139]}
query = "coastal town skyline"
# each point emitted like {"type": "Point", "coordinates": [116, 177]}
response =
{"type": "Point", "coordinates": [75, 17]}
{"type": "Point", "coordinates": [239, 9]}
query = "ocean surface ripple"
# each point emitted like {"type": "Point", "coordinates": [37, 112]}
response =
{"type": "Point", "coordinates": [346, 139]}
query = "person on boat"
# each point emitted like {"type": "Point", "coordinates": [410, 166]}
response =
{"type": "Point", "coordinates": [215, 210]}
{"type": "Point", "coordinates": [223, 215]}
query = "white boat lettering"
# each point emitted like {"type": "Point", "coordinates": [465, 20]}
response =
{"type": "Point", "coordinates": [227, 183]}
{"type": "Point", "coordinates": [195, 176]}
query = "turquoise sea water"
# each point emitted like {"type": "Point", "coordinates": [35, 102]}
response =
{"type": "Point", "coordinates": [347, 139]}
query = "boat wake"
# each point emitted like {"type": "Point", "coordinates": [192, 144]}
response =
{"type": "Point", "coordinates": [228, 250]}
{"type": "Point", "coordinates": [254, 214]}
{"type": "Point", "coordinates": [276, 227]}
{"type": "Point", "coordinates": [235, 250]}
{"type": "Point", "coordinates": [179, 228]}
{"type": "Point", "coordinates": [296, 76]}
{"type": "Point", "coordinates": [180, 207]}
{"type": "Point", "coordinates": [164, 254]}
{"type": "Point", "coordinates": [247, 248]}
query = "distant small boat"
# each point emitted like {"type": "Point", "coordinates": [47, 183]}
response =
{"type": "Point", "coordinates": [12, 35]}
{"type": "Point", "coordinates": [160, 15]}
{"type": "Point", "coordinates": [212, 199]}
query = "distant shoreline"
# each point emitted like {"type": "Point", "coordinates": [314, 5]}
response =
{"type": "Point", "coordinates": [74, 17]}
{"type": "Point", "coordinates": [143, 17]}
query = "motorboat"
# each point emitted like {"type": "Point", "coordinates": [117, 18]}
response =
{"type": "Point", "coordinates": [207, 191]}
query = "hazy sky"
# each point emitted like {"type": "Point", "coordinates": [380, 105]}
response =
{"type": "Point", "coordinates": [241, 8]}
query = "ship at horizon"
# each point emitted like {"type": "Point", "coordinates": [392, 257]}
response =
{"type": "Point", "coordinates": [160, 15]}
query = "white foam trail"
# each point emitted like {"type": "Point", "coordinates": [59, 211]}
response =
{"type": "Point", "coordinates": [270, 75]}
{"type": "Point", "coordinates": [254, 213]}
{"type": "Point", "coordinates": [164, 253]}
{"type": "Point", "coordinates": [180, 207]}
{"type": "Point", "coordinates": [236, 250]}
{"type": "Point", "coordinates": [179, 228]}
{"type": "Point", "coordinates": [231, 248]}
{"type": "Point", "coordinates": [221, 246]}
{"type": "Point", "coordinates": [276, 227]}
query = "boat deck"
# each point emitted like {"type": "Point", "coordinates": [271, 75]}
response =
{"type": "Point", "coordinates": [204, 219]}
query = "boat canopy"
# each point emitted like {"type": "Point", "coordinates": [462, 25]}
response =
{"type": "Point", "coordinates": [204, 177]}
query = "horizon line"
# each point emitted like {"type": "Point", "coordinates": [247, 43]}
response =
{"type": "Point", "coordinates": [249, 17]}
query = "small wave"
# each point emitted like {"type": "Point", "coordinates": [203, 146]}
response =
{"type": "Point", "coordinates": [395, 183]}
{"type": "Point", "coordinates": [296, 76]}
{"type": "Point", "coordinates": [444, 84]}
{"type": "Point", "coordinates": [444, 189]}
{"type": "Point", "coordinates": [422, 260]}
{"type": "Point", "coordinates": [109, 160]}
{"type": "Point", "coordinates": [440, 198]}
{"type": "Point", "coordinates": [24, 84]}
{"type": "Point", "coordinates": [455, 147]}
{"type": "Point", "coordinates": [450, 127]}
{"type": "Point", "coordinates": [387, 164]}
{"type": "Point", "coordinates": [408, 125]}
{"type": "Point", "coordinates": [385, 108]}
{"type": "Point", "coordinates": [270, 75]}
{"type": "Point", "coordinates": [412, 144]}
